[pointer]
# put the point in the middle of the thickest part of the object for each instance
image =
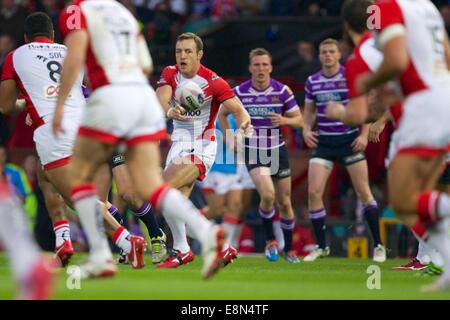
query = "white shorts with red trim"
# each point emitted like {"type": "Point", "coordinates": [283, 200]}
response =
{"type": "Point", "coordinates": [425, 126]}
{"type": "Point", "coordinates": [245, 180]}
{"type": "Point", "coordinates": [123, 112]}
{"type": "Point", "coordinates": [54, 151]}
{"type": "Point", "coordinates": [220, 183]}
{"type": "Point", "coordinates": [200, 152]}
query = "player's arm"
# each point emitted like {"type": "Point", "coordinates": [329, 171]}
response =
{"type": "Point", "coordinates": [354, 114]}
{"type": "Point", "coordinates": [360, 143]}
{"type": "Point", "coordinates": [392, 40]}
{"type": "Point", "coordinates": [144, 57]}
{"type": "Point", "coordinates": [224, 123]}
{"type": "Point", "coordinates": [377, 127]}
{"type": "Point", "coordinates": [8, 97]}
{"type": "Point", "coordinates": [447, 50]}
{"type": "Point", "coordinates": [309, 118]}
{"type": "Point", "coordinates": [292, 119]}
{"type": "Point", "coordinates": [234, 106]}
{"type": "Point", "coordinates": [172, 109]}
{"type": "Point", "coordinates": [77, 43]}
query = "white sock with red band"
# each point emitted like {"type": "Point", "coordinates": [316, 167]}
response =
{"type": "Point", "coordinates": [88, 206]}
{"type": "Point", "coordinates": [121, 239]}
{"type": "Point", "coordinates": [62, 232]}
{"type": "Point", "coordinates": [174, 205]}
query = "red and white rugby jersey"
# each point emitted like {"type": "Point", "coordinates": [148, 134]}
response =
{"type": "Point", "coordinates": [424, 29]}
{"type": "Point", "coordinates": [216, 90]}
{"type": "Point", "coordinates": [36, 68]}
{"type": "Point", "coordinates": [115, 50]}
{"type": "Point", "coordinates": [367, 58]}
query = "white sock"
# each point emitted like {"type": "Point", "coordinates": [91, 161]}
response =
{"type": "Point", "coordinates": [278, 233]}
{"type": "Point", "coordinates": [17, 238]}
{"type": "Point", "coordinates": [121, 239]}
{"type": "Point", "coordinates": [423, 251]}
{"type": "Point", "coordinates": [88, 207]}
{"type": "Point", "coordinates": [62, 232]}
{"type": "Point", "coordinates": [444, 205]}
{"type": "Point", "coordinates": [176, 207]}
{"type": "Point", "coordinates": [179, 236]}
{"type": "Point", "coordinates": [233, 227]}
{"type": "Point", "coordinates": [439, 239]}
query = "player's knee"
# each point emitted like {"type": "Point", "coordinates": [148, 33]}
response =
{"type": "Point", "coordinates": [234, 208]}
{"type": "Point", "coordinates": [314, 194]}
{"type": "Point", "coordinates": [129, 197]}
{"type": "Point", "coordinates": [268, 196]}
{"type": "Point", "coordinates": [402, 205]}
{"type": "Point", "coordinates": [284, 205]}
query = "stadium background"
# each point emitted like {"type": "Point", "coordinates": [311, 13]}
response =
{"type": "Point", "coordinates": [291, 31]}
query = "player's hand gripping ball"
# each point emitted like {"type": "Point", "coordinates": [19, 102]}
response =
{"type": "Point", "coordinates": [189, 95]}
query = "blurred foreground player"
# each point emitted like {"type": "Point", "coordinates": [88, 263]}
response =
{"type": "Point", "coordinates": [32, 272]}
{"type": "Point", "coordinates": [34, 70]}
{"type": "Point", "coordinates": [416, 52]}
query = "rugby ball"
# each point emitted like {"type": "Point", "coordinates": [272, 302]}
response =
{"type": "Point", "coordinates": [189, 95]}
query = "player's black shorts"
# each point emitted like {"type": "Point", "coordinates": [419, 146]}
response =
{"type": "Point", "coordinates": [276, 159]}
{"type": "Point", "coordinates": [445, 177]}
{"type": "Point", "coordinates": [333, 148]}
{"type": "Point", "coordinates": [117, 159]}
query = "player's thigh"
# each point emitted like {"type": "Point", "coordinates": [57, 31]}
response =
{"type": "Point", "coordinates": [263, 182]}
{"type": "Point", "coordinates": [88, 155]}
{"type": "Point", "coordinates": [181, 172]}
{"type": "Point", "coordinates": [102, 181]}
{"type": "Point", "coordinates": [318, 174]}
{"type": "Point", "coordinates": [408, 176]}
{"type": "Point", "coordinates": [143, 162]}
{"type": "Point", "coordinates": [359, 174]}
{"type": "Point", "coordinates": [125, 186]}
{"type": "Point", "coordinates": [60, 179]}
{"type": "Point", "coordinates": [53, 200]}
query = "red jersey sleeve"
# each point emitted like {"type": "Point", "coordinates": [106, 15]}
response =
{"type": "Point", "coordinates": [71, 19]}
{"type": "Point", "coordinates": [8, 67]}
{"type": "Point", "coordinates": [221, 89]}
{"type": "Point", "coordinates": [167, 77]}
{"type": "Point", "coordinates": [354, 67]}
{"type": "Point", "coordinates": [389, 13]}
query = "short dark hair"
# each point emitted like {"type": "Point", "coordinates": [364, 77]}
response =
{"type": "Point", "coordinates": [38, 24]}
{"type": "Point", "coordinates": [354, 13]}
{"type": "Point", "coordinates": [193, 36]}
{"type": "Point", "coordinates": [259, 52]}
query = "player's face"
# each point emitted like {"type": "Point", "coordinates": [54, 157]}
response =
{"type": "Point", "coordinates": [187, 56]}
{"type": "Point", "coordinates": [260, 68]}
{"type": "Point", "coordinates": [329, 55]}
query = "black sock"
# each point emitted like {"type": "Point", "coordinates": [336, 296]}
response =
{"type": "Point", "coordinates": [319, 232]}
{"type": "Point", "coordinates": [318, 222]}
{"type": "Point", "coordinates": [267, 219]}
{"type": "Point", "coordinates": [268, 229]}
{"type": "Point", "coordinates": [146, 214]}
{"type": "Point", "coordinates": [371, 213]}
{"type": "Point", "coordinates": [287, 225]}
{"type": "Point", "coordinates": [116, 214]}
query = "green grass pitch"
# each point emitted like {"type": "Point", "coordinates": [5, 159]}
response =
{"type": "Point", "coordinates": [247, 278]}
